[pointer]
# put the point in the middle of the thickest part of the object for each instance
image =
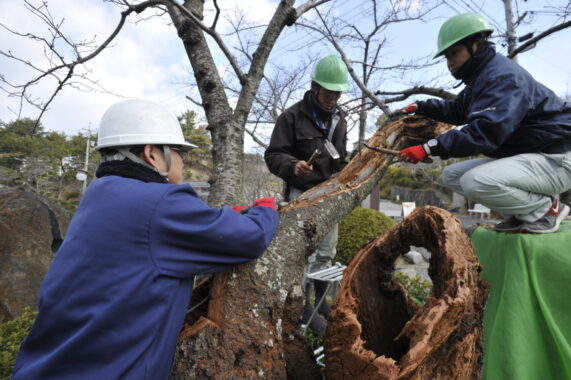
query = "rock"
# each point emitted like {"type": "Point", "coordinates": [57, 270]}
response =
{"type": "Point", "coordinates": [423, 251]}
{"type": "Point", "coordinates": [31, 229]}
{"type": "Point", "coordinates": [413, 257]}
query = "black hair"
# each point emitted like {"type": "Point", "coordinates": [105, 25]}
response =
{"type": "Point", "coordinates": [479, 38]}
{"type": "Point", "coordinates": [137, 150]}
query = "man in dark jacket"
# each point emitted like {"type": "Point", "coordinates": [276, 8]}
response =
{"type": "Point", "coordinates": [315, 127]}
{"type": "Point", "coordinates": [115, 297]}
{"type": "Point", "coordinates": [522, 127]}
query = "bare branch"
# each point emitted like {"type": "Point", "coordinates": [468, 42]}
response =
{"type": "Point", "coordinates": [69, 67]}
{"type": "Point", "coordinates": [402, 66]}
{"type": "Point", "coordinates": [256, 139]}
{"type": "Point", "coordinates": [194, 101]}
{"type": "Point", "coordinates": [439, 92]}
{"type": "Point", "coordinates": [308, 6]}
{"type": "Point", "coordinates": [540, 36]}
{"type": "Point", "coordinates": [57, 90]}
{"type": "Point", "coordinates": [357, 80]}
{"type": "Point", "coordinates": [213, 26]}
{"type": "Point", "coordinates": [241, 77]}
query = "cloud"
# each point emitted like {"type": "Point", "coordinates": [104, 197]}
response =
{"type": "Point", "coordinates": [148, 59]}
{"type": "Point", "coordinates": [145, 60]}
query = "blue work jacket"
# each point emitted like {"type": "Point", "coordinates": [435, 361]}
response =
{"type": "Point", "coordinates": [115, 297]}
{"type": "Point", "coordinates": [506, 112]}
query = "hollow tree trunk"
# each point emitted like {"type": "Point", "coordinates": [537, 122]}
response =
{"type": "Point", "coordinates": [376, 331]}
{"type": "Point", "coordinates": [250, 327]}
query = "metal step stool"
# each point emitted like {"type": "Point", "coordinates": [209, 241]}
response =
{"type": "Point", "coordinates": [332, 275]}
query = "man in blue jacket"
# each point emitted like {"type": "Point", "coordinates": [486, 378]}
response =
{"type": "Point", "coordinates": [116, 294]}
{"type": "Point", "coordinates": [521, 126]}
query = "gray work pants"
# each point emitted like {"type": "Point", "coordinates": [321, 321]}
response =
{"type": "Point", "coordinates": [326, 250]}
{"type": "Point", "coordinates": [519, 186]}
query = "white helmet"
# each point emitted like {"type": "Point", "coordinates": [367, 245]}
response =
{"type": "Point", "coordinates": [139, 122]}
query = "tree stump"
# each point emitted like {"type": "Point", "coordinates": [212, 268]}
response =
{"type": "Point", "coordinates": [376, 331]}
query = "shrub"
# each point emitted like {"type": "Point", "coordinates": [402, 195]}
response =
{"type": "Point", "coordinates": [11, 335]}
{"type": "Point", "coordinates": [404, 177]}
{"type": "Point", "coordinates": [359, 227]}
{"type": "Point", "coordinates": [418, 288]}
{"type": "Point", "coordinates": [314, 340]}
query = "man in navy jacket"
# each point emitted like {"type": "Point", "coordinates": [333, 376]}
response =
{"type": "Point", "coordinates": [520, 125]}
{"type": "Point", "coordinates": [116, 294]}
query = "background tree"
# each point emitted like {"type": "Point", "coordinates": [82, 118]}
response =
{"type": "Point", "coordinates": [258, 181]}
{"type": "Point", "coordinates": [17, 141]}
{"type": "Point", "coordinates": [45, 162]}
{"type": "Point", "coordinates": [362, 47]}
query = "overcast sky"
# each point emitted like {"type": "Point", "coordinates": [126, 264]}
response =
{"type": "Point", "coordinates": [147, 60]}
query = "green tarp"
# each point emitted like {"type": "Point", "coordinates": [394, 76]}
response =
{"type": "Point", "coordinates": [527, 320]}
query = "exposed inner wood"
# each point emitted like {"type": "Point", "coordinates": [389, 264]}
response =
{"type": "Point", "coordinates": [376, 331]}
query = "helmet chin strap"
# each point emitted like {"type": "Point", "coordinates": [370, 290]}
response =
{"type": "Point", "coordinates": [126, 153]}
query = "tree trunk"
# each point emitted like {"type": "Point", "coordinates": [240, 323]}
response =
{"type": "Point", "coordinates": [227, 126]}
{"type": "Point", "coordinates": [376, 331]}
{"type": "Point", "coordinates": [226, 155]}
{"type": "Point", "coordinates": [250, 327]}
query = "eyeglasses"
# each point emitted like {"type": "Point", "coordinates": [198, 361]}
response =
{"type": "Point", "coordinates": [182, 153]}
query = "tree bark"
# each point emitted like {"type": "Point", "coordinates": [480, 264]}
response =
{"type": "Point", "coordinates": [227, 126]}
{"type": "Point", "coordinates": [376, 331]}
{"type": "Point", "coordinates": [250, 327]}
{"type": "Point", "coordinates": [226, 134]}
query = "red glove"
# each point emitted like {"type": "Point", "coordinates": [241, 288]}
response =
{"type": "Point", "coordinates": [265, 202]}
{"type": "Point", "coordinates": [240, 208]}
{"type": "Point", "coordinates": [411, 108]}
{"type": "Point", "coordinates": [413, 154]}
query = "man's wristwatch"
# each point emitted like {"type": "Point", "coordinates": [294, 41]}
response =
{"type": "Point", "coordinates": [430, 146]}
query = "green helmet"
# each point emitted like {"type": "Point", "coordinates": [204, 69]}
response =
{"type": "Point", "coordinates": [331, 73]}
{"type": "Point", "coordinates": [456, 28]}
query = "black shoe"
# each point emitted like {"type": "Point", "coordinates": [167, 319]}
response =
{"type": "Point", "coordinates": [318, 324]}
{"type": "Point", "coordinates": [509, 225]}
{"type": "Point", "coordinates": [320, 292]}
{"type": "Point", "coordinates": [550, 222]}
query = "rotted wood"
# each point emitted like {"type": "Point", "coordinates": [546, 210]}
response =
{"type": "Point", "coordinates": [249, 327]}
{"type": "Point", "coordinates": [376, 331]}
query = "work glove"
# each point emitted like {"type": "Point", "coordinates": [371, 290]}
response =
{"type": "Point", "coordinates": [240, 209]}
{"type": "Point", "coordinates": [411, 108]}
{"type": "Point", "coordinates": [265, 202]}
{"type": "Point", "coordinates": [413, 154]}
